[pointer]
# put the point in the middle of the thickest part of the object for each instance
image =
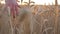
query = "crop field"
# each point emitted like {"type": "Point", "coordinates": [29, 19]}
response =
{"type": "Point", "coordinates": [37, 19]}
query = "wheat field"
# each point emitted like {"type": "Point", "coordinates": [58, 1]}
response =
{"type": "Point", "coordinates": [37, 19]}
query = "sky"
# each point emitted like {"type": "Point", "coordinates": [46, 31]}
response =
{"type": "Point", "coordinates": [40, 2]}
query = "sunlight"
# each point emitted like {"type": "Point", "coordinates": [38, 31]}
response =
{"type": "Point", "coordinates": [42, 2]}
{"type": "Point", "coordinates": [38, 2]}
{"type": "Point", "coordinates": [2, 2]}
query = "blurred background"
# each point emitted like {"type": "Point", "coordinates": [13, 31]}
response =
{"type": "Point", "coordinates": [35, 17]}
